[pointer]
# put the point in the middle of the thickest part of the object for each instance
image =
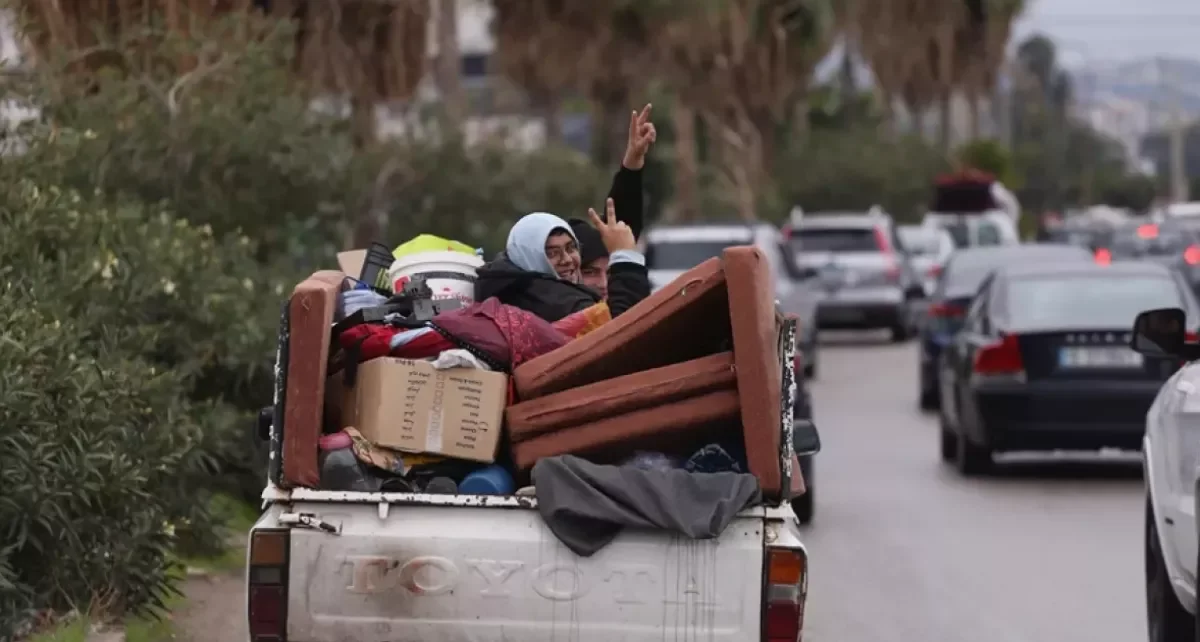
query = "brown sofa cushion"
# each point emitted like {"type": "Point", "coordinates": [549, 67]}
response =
{"type": "Point", "coordinates": [311, 310]}
{"type": "Point", "coordinates": [685, 320]}
{"type": "Point", "coordinates": [621, 395]}
{"type": "Point", "coordinates": [756, 355]}
{"type": "Point", "coordinates": [678, 427]}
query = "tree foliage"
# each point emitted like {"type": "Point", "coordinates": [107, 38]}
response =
{"type": "Point", "coordinates": [124, 327]}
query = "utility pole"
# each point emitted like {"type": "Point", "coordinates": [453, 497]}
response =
{"type": "Point", "coordinates": [1178, 143]}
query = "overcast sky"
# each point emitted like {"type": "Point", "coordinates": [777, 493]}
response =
{"type": "Point", "coordinates": [1114, 30]}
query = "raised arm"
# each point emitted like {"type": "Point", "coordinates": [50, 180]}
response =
{"type": "Point", "coordinates": [626, 191]}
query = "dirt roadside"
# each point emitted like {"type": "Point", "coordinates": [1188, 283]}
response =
{"type": "Point", "coordinates": [213, 610]}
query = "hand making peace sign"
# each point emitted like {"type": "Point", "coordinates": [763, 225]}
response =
{"type": "Point", "coordinates": [615, 234]}
{"type": "Point", "coordinates": [641, 135]}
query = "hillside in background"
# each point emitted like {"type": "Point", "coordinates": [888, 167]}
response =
{"type": "Point", "coordinates": [1154, 83]}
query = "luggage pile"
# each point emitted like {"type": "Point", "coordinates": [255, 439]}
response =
{"type": "Point", "coordinates": [393, 379]}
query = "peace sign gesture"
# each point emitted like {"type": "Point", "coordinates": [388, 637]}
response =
{"type": "Point", "coordinates": [641, 135]}
{"type": "Point", "coordinates": [616, 234]}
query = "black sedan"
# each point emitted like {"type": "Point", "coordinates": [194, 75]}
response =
{"type": "Point", "coordinates": [1043, 361]}
{"type": "Point", "coordinates": [958, 282]}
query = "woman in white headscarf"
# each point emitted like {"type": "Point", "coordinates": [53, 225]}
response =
{"type": "Point", "coordinates": [540, 268]}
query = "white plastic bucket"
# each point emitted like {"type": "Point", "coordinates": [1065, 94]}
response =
{"type": "Point", "coordinates": [451, 275]}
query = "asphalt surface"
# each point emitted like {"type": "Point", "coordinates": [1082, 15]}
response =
{"type": "Point", "coordinates": [902, 548]}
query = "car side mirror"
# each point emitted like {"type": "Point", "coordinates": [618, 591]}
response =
{"type": "Point", "coordinates": [805, 438]}
{"type": "Point", "coordinates": [1159, 333]}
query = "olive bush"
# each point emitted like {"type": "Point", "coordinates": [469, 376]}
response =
{"type": "Point", "coordinates": [125, 335]}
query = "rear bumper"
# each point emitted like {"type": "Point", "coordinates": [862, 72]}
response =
{"type": "Point", "coordinates": [1070, 415]}
{"type": "Point", "coordinates": [860, 314]}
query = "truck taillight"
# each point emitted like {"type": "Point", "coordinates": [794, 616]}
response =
{"type": "Point", "coordinates": [266, 585]}
{"type": "Point", "coordinates": [787, 586]}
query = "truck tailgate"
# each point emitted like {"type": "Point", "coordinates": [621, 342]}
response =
{"type": "Point", "coordinates": [479, 574]}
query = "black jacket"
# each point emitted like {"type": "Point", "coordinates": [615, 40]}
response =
{"type": "Point", "coordinates": [551, 298]}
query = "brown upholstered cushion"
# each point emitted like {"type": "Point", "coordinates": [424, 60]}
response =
{"type": "Point", "coordinates": [311, 310]}
{"type": "Point", "coordinates": [756, 355]}
{"type": "Point", "coordinates": [678, 427]}
{"type": "Point", "coordinates": [685, 320]}
{"type": "Point", "coordinates": [621, 395]}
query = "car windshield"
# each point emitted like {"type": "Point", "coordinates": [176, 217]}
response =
{"type": "Point", "coordinates": [851, 239]}
{"type": "Point", "coordinates": [683, 255]}
{"type": "Point", "coordinates": [1093, 301]}
{"type": "Point", "coordinates": [970, 232]}
{"type": "Point", "coordinates": [918, 241]}
{"type": "Point", "coordinates": [1150, 240]}
{"type": "Point", "coordinates": [1081, 236]}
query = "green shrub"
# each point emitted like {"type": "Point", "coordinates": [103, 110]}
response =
{"type": "Point", "coordinates": [233, 144]}
{"type": "Point", "coordinates": [475, 194]}
{"type": "Point", "coordinates": [855, 169]}
{"type": "Point", "coordinates": [126, 333]}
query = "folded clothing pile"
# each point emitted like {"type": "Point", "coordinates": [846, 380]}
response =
{"type": "Point", "coordinates": [695, 362]}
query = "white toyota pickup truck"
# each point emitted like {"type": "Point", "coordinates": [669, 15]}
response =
{"type": "Point", "coordinates": [333, 566]}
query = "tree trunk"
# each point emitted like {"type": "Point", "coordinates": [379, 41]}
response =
{"type": "Point", "coordinates": [448, 69]}
{"type": "Point", "coordinates": [687, 172]}
{"type": "Point", "coordinates": [368, 224]}
{"type": "Point", "coordinates": [552, 118]}
{"type": "Point", "coordinates": [946, 120]}
{"type": "Point", "coordinates": [609, 130]}
{"type": "Point", "coordinates": [973, 115]}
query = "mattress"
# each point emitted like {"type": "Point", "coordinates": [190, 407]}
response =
{"type": "Point", "coordinates": [687, 319]}
{"type": "Point", "coordinates": [679, 427]}
{"type": "Point", "coordinates": [310, 318]}
{"type": "Point", "coordinates": [756, 357]}
{"type": "Point", "coordinates": [621, 395]}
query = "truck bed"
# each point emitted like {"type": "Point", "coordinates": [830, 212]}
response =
{"type": "Point", "coordinates": [448, 568]}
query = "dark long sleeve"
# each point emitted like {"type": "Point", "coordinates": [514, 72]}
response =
{"type": "Point", "coordinates": [626, 193]}
{"type": "Point", "coordinates": [628, 285]}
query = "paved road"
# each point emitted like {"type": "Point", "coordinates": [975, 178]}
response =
{"type": "Point", "coordinates": [904, 549]}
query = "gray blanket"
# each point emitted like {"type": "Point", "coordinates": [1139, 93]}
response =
{"type": "Point", "coordinates": [586, 505]}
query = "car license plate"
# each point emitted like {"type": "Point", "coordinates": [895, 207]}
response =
{"type": "Point", "coordinates": [1100, 357]}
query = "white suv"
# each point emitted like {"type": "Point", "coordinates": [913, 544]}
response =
{"type": "Point", "coordinates": [1171, 464]}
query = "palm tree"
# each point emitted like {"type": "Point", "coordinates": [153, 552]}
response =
{"type": "Point", "coordinates": [367, 51]}
{"type": "Point", "coordinates": [926, 51]}
{"type": "Point", "coordinates": [743, 65]}
{"type": "Point", "coordinates": [539, 44]}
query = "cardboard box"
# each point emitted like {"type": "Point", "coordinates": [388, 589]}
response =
{"type": "Point", "coordinates": [412, 406]}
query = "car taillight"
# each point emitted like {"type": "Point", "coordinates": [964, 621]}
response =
{"type": "Point", "coordinates": [1103, 256]}
{"type": "Point", "coordinates": [946, 311]}
{"type": "Point", "coordinates": [267, 585]}
{"type": "Point", "coordinates": [1000, 358]}
{"type": "Point", "coordinates": [935, 271]}
{"type": "Point", "coordinates": [892, 271]}
{"type": "Point", "coordinates": [1192, 255]}
{"type": "Point", "coordinates": [881, 240]}
{"type": "Point", "coordinates": [787, 587]}
{"type": "Point", "coordinates": [1191, 337]}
